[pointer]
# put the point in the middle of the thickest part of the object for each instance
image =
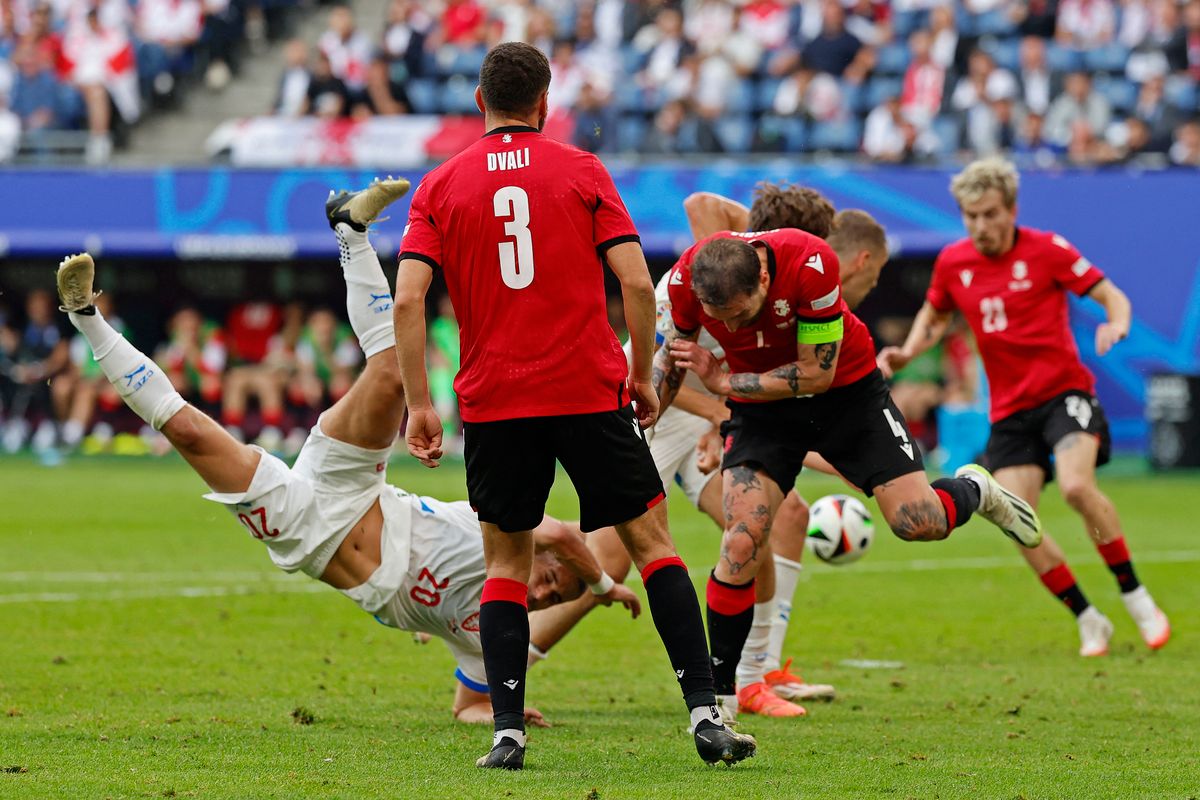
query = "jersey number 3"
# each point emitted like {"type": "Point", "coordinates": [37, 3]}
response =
{"type": "Point", "coordinates": [516, 257]}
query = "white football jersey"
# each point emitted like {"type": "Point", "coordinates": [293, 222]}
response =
{"type": "Point", "coordinates": [664, 325]}
{"type": "Point", "coordinates": [440, 592]}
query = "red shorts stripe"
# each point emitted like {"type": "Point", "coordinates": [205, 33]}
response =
{"type": "Point", "coordinates": [505, 590]}
{"type": "Point", "coordinates": [948, 504]}
{"type": "Point", "coordinates": [729, 600]}
{"type": "Point", "coordinates": [1058, 580]}
{"type": "Point", "coordinates": [655, 566]}
{"type": "Point", "coordinates": [658, 499]}
{"type": "Point", "coordinates": [1115, 552]}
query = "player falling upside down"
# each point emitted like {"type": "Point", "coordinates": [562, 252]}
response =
{"type": "Point", "coordinates": [803, 379]}
{"type": "Point", "coordinates": [1010, 283]}
{"type": "Point", "coordinates": [414, 562]}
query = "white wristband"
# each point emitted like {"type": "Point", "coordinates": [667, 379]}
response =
{"type": "Point", "coordinates": [602, 586]}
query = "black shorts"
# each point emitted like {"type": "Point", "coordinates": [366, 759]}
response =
{"type": "Point", "coordinates": [856, 428]}
{"type": "Point", "coordinates": [510, 468]}
{"type": "Point", "coordinates": [1029, 437]}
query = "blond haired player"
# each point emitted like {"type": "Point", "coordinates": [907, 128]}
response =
{"type": "Point", "coordinates": [1010, 283]}
{"type": "Point", "coordinates": [415, 563]}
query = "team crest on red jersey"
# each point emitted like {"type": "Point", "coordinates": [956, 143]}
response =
{"type": "Point", "coordinates": [782, 308]}
{"type": "Point", "coordinates": [966, 276]}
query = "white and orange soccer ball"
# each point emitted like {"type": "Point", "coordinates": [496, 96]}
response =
{"type": "Point", "coordinates": [840, 530]}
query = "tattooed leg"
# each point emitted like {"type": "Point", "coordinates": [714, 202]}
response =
{"type": "Point", "coordinates": [750, 499]}
{"type": "Point", "coordinates": [912, 509]}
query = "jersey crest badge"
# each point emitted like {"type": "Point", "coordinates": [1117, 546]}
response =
{"type": "Point", "coordinates": [966, 276]}
{"type": "Point", "coordinates": [782, 308]}
{"type": "Point", "coordinates": [507, 138]}
{"type": "Point", "coordinates": [816, 263]}
{"type": "Point", "coordinates": [1020, 271]}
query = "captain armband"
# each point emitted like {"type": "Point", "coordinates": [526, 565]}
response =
{"type": "Point", "coordinates": [822, 332]}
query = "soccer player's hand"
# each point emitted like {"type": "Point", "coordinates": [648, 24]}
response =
{"type": "Point", "coordinates": [708, 451]}
{"type": "Point", "coordinates": [534, 718]}
{"type": "Point", "coordinates": [891, 360]}
{"type": "Point", "coordinates": [701, 361]}
{"type": "Point", "coordinates": [424, 435]}
{"type": "Point", "coordinates": [622, 594]}
{"type": "Point", "coordinates": [1107, 335]}
{"type": "Point", "coordinates": [645, 402]}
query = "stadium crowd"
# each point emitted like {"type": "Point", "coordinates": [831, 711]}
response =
{"type": "Point", "coordinates": [265, 371]}
{"type": "Point", "coordinates": [95, 65]}
{"type": "Point", "coordinates": [1046, 81]}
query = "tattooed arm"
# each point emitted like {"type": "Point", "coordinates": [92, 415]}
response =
{"type": "Point", "coordinates": [927, 329]}
{"type": "Point", "coordinates": [665, 375]}
{"type": "Point", "coordinates": [811, 373]}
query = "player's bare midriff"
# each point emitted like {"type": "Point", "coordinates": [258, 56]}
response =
{"type": "Point", "coordinates": [359, 554]}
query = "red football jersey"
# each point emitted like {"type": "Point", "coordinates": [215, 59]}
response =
{"type": "Point", "coordinates": [805, 290]}
{"type": "Point", "coordinates": [519, 224]}
{"type": "Point", "coordinates": [1016, 305]}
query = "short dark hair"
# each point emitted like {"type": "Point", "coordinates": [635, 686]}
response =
{"type": "Point", "coordinates": [785, 205]}
{"type": "Point", "coordinates": [856, 230]}
{"type": "Point", "coordinates": [724, 270]}
{"type": "Point", "coordinates": [513, 76]}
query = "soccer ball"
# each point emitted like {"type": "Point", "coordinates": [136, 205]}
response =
{"type": "Point", "coordinates": [839, 529]}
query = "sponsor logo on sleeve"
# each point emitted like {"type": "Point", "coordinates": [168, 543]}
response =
{"type": "Point", "coordinates": [1080, 267]}
{"type": "Point", "coordinates": [827, 300]}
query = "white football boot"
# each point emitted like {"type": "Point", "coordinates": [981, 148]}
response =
{"type": "Point", "coordinates": [1095, 630]}
{"type": "Point", "coordinates": [1151, 621]}
{"type": "Point", "coordinates": [1002, 508]}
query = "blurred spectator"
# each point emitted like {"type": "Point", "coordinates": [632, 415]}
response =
{"type": "Point", "coordinates": [408, 27]}
{"type": "Point", "coordinates": [1033, 75]}
{"type": "Point", "coordinates": [767, 21]}
{"type": "Point", "coordinates": [709, 23]}
{"type": "Point", "coordinates": [292, 99]}
{"type": "Point", "coordinates": [251, 327]}
{"type": "Point", "coordinates": [328, 97]}
{"type": "Point", "coordinates": [1034, 17]}
{"type": "Point", "coordinates": [1128, 140]}
{"type": "Point", "coordinates": [166, 30]}
{"type": "Point", "coordinates": [40, 355]}
{"type": "Point", "coordinates": [326, 357]}
{"type": "Point", "coordinates": [817, 95]}
{"type": "Point", "coordinates": [594, 121]}
{"type": "Point", "coordinates": [983, 79]}
{"type": "Point", "coordinates": [888, 136]}
{"type": "Point", "coordinates": [835, 48]}
{"type": "Point", "coordinates": [993, 126]}
{"type": "Point", "coordinates": [1079, 103]}
{"type": "Point", "coordinates": [676, 130]}
{"type": "Point", "coordinates": [1032, 145]}
{"type": "Point", "coordinates": [36, 97]}
{"type": "Point", "coordinates": [1187, 42]}
{"type": "Point", "coordinates": [350, 52]}
{"type": "Point", "coordinates": [567, 77]}
{"type": "Point", "coordinates": [10, 131]}
{"type": "Point", "coordinates": [194, 357]}
{"type": "Point", "coordinates": [1086, 147]}
{"type": "Point", "coordinates": [663, 50]}
{"type": "Point", "coordinates": [463, 24]}
{"type": "Point", "coordinates": [1160, 117]}
{"type": "Point", "coordinates": [869, 21]}
{"type": "Point", "coordinates": [1085, 24]}
{"type": "Point", "coordinates": [100, 63]}
{"type": "Point", "coordinates": [943, 29]}
{"type": "Point", "coordinates": [1185, 150]}
{"type": "Point", "coordinates": [924, 80]}
{"type": "Point", "coordinates": [1135, 20]}
{"type": "Point", "coordinates": [219, 41]}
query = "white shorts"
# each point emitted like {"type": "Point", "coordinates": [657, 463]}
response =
{"type": "Point", "coordinates": [303, 514]}
{"type": "Point", "coordinates": [673, 441]}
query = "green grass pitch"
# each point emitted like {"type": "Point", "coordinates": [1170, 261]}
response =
{"type": "Point", "coordinates": [151, 650]}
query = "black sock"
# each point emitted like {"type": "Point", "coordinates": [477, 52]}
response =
{"type": "Point", "coordinates": [960, 497]}
{"type": "Point", "coordinates": [504, 634]}
{"type": "Point", "coordinates": [676, 614]}
{"type": "Point", "coordinates": [1061, 583]}
{"type": "Point", "coordinates": [730, 616]}
{"type": "Point", "coordinates": [1116, 556]}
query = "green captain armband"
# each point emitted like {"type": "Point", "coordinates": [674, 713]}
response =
{"type": "Point", "coordinates": [818, 332]}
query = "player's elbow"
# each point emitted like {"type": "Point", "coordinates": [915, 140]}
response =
{"type": "Point", "coordinates": [698, 203]}
{"type": "Point", "coordinates": [823, 381]}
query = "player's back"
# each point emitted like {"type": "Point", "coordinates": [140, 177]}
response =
{"type": "Point", "coordinates": [522, 221]}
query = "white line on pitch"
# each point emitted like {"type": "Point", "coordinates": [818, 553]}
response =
{"type": "Point", "coordinates": [144, 577]}
{"type": "Point", "coordinates": [144, 594]}
{"type": "Point", "coordinates": [996, 562]}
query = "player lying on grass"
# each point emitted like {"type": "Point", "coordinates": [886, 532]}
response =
{"type": "Point", "coordinates": [802, 379]}
{"type": "Point", "coordinates": [415, 563]}
{"type": "Point", "coordinates": [1010, 283]}
{"type": "Point", "coordinates": [685, 444]}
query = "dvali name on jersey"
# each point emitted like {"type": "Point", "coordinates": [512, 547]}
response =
{"type": "Point", "coordinates": [508, 159]}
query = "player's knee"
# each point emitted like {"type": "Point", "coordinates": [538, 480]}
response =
{"type": "Point", "coordinates": [1076, 491]}
{"type": "Point", "coordinates": [919, 530]}
{"type": "Point", "coordinates": [743, 543]}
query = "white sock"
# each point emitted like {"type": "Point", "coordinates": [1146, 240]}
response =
{"type": "Point", "coordinates": [752, 666]}
{"type": "Point", "coordinates": [706, 714]}
{"type": "Point", "coordinates": [509, 733]}
{"type": "Point", "coordinates": [72, 432]}
{"type": "Point", "coordinates": [139, 381]}
{"type": "Point", "coordinates": [368, 298]}
{"type": "Point", "coordinates": [787, 575]}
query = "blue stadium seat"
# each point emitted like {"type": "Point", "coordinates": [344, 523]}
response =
{"type": "Point", "coordinates": [631, 59]}
{"type": "Point", "coordinates": [424, 94]}
{"type": "Point", "coordinates": [948, 130]}
{"type": "Point", "coordinates": [787, 134]}
{"type": "Point", "coordinates": [893, 59]}
{"type": "Point", "coordinates": [905, 22]}
{"type": "Point", "coordinates": [880, 89]}
{"type": "Point", "coordinates": [467, 61]}
{"type": "Point", "coordinates": [458, 96]}
{"type": "Point", "coordinates": [1109, 58]}
{"type": "Point", "coordinates": [736, 133]}
{"type": "Point", "coordinates": [1062, 59]}
{"type": "Point", "coordinates": [628, 96]}
{"type": "Point", "coordinates": [842, 137]}
{"type": "Point", "coordinates": [854, 97]}
{"type": "Point", "coordinates": [741, 98]}
{"type": "Point", "coordinates": [1005, 52]}
{"type": "Point", "coordinates": [1182, 93]}
{"type": "Point", "coordinates": [631, 130]}
{"type": "Point", "coordinates": [1122, 94]}
{"type": "Point", "coordinates": [766, 91]}
{"type": "Point", "coordinates": [993, 23]}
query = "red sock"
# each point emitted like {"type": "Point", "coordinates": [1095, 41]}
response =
{"type": "Point", "coordinates": [1062, 585]}
{"type": "Point", "coordinates": [1116, 556]}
